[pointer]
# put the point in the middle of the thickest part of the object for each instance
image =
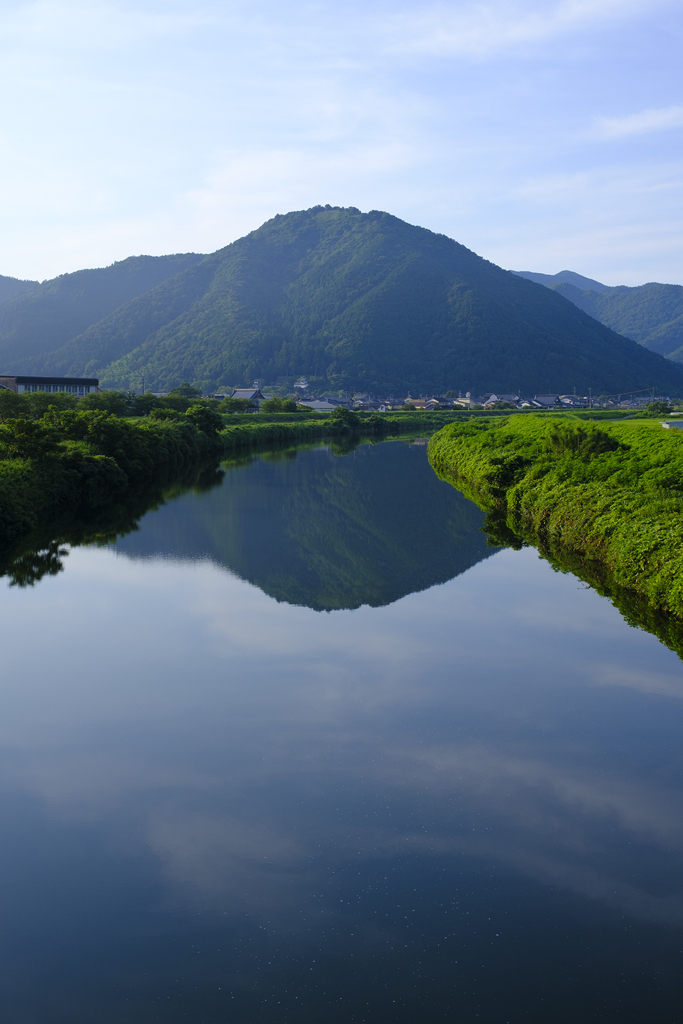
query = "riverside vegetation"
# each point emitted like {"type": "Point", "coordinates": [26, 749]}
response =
{"type": "Point", "coordinates": [84, 470]}
{"type": "Point", "coordinates": [604, 502]}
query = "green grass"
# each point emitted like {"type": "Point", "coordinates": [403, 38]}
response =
{"type": "Point", "coordinates": [605, 501]}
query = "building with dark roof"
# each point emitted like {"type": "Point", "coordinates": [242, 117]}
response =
{"type": "Point", "coordinates": [52, 385]}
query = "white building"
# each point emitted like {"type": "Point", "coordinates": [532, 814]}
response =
{"type": "Point", "coordinates": [52, 385]}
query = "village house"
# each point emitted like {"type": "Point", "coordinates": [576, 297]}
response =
{"type": "Point", "coordinates": [252, 395]}
{"type": "Point", "coordinates": [546, 401]}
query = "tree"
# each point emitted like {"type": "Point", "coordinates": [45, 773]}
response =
{"type": "Point", "coordinates": [659, 409]}
{"type": "Point", "coordinates": [29, 439]}
{"type": "Point", "coordinates": [235, 404]}
{"type": "Point", "coordinates": [115, 402]}
{"type": "Point", "coordinates": [350, 419]}
{"type": "Point", "coordinates": [10, 404]}
{"type": "Point", "coordinates": [278, 405]}
{"type": "Point", "coordinates": [186, 390]}
{"type": "Point", "coordinates": [205, 419]}
{"type": "Point", "coordinates": [142, 405]}
{"type": "Point", "coordinates": [160, 412]}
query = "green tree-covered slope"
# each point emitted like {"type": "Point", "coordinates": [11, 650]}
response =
{"type": "Point", "coordinates": [365, 301]}
{"type": "Point", "coordinates": [45, 316]}
{"type": "Point", "coordinates": [11, 287]}
{"type": "Point", "coordinates": [651, 314]}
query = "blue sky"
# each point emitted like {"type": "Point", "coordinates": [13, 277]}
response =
{"type": "Point", "coordinates": [543, 135]}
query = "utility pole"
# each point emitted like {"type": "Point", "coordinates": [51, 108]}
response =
{"type": "Point", "coordinates": [143, 385]}
{"type": "Point", "coordinates": [590, 398]}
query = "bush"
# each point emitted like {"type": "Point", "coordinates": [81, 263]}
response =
{"type": "Point", "coordinates": [350, 419]}
{"type": "Point", "coordinates": [279, 405]}
{"type": "Point", "coordinates": [659, 409]}
{"type": "Point", "coordinates": [235, 405]}
{"type": "Point", "coordinates": [160, 412]}
{"type": "Point", "coordinates": [185, 391]}
{"type": "Point", "coordinates": [610, 497]}
{"type": "Point", "coordinates": [115, 402]}
{"type": "Point", "coordinates": [205, 419]}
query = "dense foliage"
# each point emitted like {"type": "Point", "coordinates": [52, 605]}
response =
{"type": "Point", "coordinates": [360, 301]}
{"type": "Point", "coordinates": [71, 460]}
{"type": "Point", "coordinates": [47, 315]}
{"type": "Point", "coordinates": [608, 498]}
{"type": "Point", "coordinates": [10, 287]}
{"type": "Point", "coordinates": [651, 314]}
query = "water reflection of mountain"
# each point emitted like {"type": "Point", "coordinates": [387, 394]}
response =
{"type": "Point", "coordinates": [312, 528]}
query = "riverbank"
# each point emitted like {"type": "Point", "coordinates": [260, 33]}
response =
{"type": "Point", "coordinates": [605, 502]}
{"type": "Point", "coordinates": [73, 473]}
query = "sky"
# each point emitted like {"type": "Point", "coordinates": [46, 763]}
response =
{"type": "Point", "coordinates": [543, 135]}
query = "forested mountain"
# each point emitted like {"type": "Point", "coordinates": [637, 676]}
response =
{"type": "Point", "coordinates": [362, 300]}
{"type": "Point", "coordinates": [651, 314]}
{"type": "Point", "coordinates": [43, 317]}
{"type": "Point", "coordinates": [10, 287]}
{"type": "Point", "coordinates": [564, 277]}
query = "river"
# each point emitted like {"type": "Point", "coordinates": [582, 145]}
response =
{"type": "Point", "coordinates": [303, 748]}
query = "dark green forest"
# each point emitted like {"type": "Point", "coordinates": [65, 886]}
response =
{"type": "Point", "coordinates": [359, 301]}
{"type": "Point", "coordinates": [38, 319]}
{"type": "Point", "coordinates": [11, 287]}
{"type": "Point", "coordinates": [651, 314]}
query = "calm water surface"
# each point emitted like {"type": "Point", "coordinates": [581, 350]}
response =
{"type": "Point", "coordinates": [304, 749]}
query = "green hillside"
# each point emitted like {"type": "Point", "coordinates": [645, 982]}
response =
{"type": "Point", "coordinates": [364, 301]}
{"type": "Point", "coordinates": [11, 287]}
{"type": "Point", "coordinates": [41, 319]}
{"type": "Point", "coordinates": [651, 314]}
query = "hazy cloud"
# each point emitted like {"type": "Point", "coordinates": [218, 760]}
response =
{"type": "Point", "coordinates": [639, 124]}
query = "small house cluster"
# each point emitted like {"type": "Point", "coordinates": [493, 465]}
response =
{"type": "Point", "coordinates": [489, 400]}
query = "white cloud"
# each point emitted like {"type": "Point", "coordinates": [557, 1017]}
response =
{"type": "Point", "coordinates": [639, 124]}
{"type": "Point", "coordinates": [483, 29]}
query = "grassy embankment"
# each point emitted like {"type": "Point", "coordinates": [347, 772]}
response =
{"type": "Point", "coordinates": [604, 502]}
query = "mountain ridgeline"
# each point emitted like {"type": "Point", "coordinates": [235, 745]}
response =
{"type": "Point", "coordinates": [651, 314]}
{"type": "Point", "coordinates": [364, 301]}
{"type": "Point", "coordinates": [11, 287]}
{"type": "Point", "coordinates": [40, 319]}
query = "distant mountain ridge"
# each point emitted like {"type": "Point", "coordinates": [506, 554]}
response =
{"type": "Point", "coordinates": [11, 287]}
{"type": "Point", "coordinates": [44, 316]}
{"type": "Point", "coordinates": [363, 300]}
{"type": "Point", "coordinates": [651, 314]}
{"type": "Point", "coordinates": [564, 277]}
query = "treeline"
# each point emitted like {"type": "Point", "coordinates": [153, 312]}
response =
{"type": "Point", "coordinates": [604, 501]}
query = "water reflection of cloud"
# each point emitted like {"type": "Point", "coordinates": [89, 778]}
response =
{"type": "Point", "coordinates": [665, 684]}
{"type": "Point", "coordinates": [203, 685]}
{"type": "Point", "coordinates": [223, 862]}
